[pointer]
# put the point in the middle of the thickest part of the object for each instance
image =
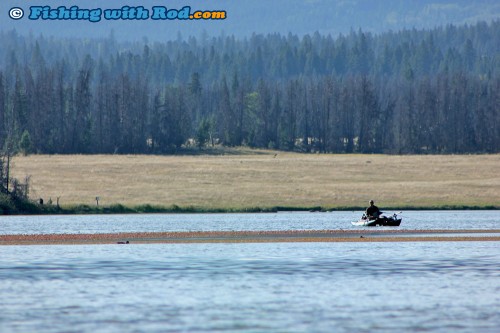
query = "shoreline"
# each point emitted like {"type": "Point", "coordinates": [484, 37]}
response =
{"type": "Point", "coordinates": [37, 209]}
{"type": "Point", "coordinates": [253, 237]}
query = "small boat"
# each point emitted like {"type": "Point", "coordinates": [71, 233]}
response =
{"type": "Point", "coordinates": [382, 220]}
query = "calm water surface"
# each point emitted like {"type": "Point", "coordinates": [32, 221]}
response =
{"type": "Point", "coordinates": [274, 287]}
{"type": "Point", "coordinates": [412, 220]}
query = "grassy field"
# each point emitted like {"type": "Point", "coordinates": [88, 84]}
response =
{"type": "Point", "coordinates": [245, 179]}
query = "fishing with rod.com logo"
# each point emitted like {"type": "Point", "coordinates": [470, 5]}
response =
{"type": "Point", "coordinates": [123, 13]}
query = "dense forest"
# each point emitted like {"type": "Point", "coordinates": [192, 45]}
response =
{"type": "Point", "coordinates": [413, 91]}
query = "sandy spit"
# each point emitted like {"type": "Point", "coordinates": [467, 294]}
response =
{"type": "Point", "coordinates": [255, 237]}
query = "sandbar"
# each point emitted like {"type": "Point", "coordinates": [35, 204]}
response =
{"type": "Point", "coordinates": [365, 235]}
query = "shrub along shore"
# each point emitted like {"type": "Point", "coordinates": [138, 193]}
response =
{"type": "Point", "coordinates": [26, 207]}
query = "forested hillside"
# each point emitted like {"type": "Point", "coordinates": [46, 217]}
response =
{"type": "Point", "coordinates": [432, 91]}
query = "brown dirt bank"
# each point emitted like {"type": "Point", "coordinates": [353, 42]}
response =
{"type": "Point", "coordinates": [255, 237]}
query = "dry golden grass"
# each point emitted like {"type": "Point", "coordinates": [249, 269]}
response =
{"type": "Point", "coordinates": [252, 179]}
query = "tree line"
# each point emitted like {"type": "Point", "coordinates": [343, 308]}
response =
{"type": "Point", "coordinates": [429, 91]}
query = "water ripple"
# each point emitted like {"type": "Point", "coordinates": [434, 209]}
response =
{"type": "Point", "coordinates": [293, 287]}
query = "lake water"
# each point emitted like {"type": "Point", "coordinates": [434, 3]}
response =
{"type": "Point", "coordinates": [412, 220]}
{"type": "Point", "coordinates": [269, 287]}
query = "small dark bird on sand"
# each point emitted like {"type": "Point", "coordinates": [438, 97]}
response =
{"type": "Point", "coordinates": [122, 242]}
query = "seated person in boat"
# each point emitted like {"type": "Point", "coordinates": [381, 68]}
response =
{"type": "Point", "coordinates": [372, 212]}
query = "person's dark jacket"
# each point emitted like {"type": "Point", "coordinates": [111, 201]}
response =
{"type": "Point", "coordinates": [372, 211]}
